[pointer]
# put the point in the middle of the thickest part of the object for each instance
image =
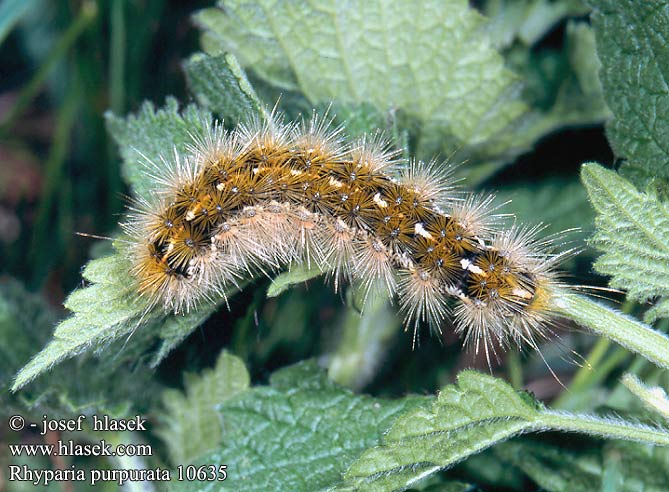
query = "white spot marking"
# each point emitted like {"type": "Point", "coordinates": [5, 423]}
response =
{"type": "Point", "coordinates": [468, 265]}
{"type": "Point", "coordinates": [420, 230]}
{"type": "Point", "coordinates": [380, 201]}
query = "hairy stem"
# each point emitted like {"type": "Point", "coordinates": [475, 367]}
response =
{"type": "Point", "coordinates": [614, 325]}
{"type": "Point", "coordinates": [654, 398]}
{"type": "Point", "coordinates": [601, 427]}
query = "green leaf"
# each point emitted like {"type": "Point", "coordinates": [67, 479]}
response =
{"type": "Point", "coordinates": [103, 311]}
{"type": "Point", "coordinates": [152, 135]}
{"type": "Point", "coordinates": [434, 62]}
{"type": "Point", "coordinates": [82, 385]}
{"type": "Point", "coordinates": [364, 118]}
{"type": "Point", "coordinates": [435, 66]}
{"type": "Point", "coordinates": [298, 434]}
{"type": "Point", "coordinates": [633, 234]}
{"type": "Point", "coordinates": [632, 37]}
{"type": "Point", "coordinates": [106, 310]}
{"type": "Point", "coordinates": [298, 274]}
{"type": "Point", "coordinates": [465, 419]}
{"type": "Point", "coordinates": [220, 85]}
{"type": "Point", "coordinates": [190, 426]}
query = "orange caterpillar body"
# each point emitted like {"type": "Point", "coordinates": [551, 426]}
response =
{"type": "Point", "coordinates": [268, 195]}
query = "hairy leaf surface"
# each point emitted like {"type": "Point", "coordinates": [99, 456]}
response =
{"type": "Point", "coordinates": [436, 64]}
{"type": "Point", "coordinates": [299, 433]}
{"type": "Point", "coordinates": [220, 85]}
{"type": "Point", "coordinates": [109, 309]}
{"type": "Point", "coordinates": [152, 135]}
{"type": "Point", "coordinates": [466, 418]}
{"type": "Point", "coordinates": [26, 322]}
{"type": "Point", "coordinates": [632, 39]}
{"type": "Point", "coordinates": [633, 235]}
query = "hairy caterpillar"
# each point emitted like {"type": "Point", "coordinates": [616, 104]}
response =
{"type": "Point", "coordinates": [270, 194]}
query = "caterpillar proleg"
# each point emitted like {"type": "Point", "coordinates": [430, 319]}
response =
{"type": "Point", "coordinates": [269, 194]}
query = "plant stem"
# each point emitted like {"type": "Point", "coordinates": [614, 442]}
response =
{"type": "Point", "coordinates": [614, 325]}
{"type": "Point", "coordinates": [653, 398]}
{"type": "Point", "coordinates": [586, 372]}
{"type": "Point", "coordinates": [602, 427]}
{"type": "Point", "coordinates": [514, 369]}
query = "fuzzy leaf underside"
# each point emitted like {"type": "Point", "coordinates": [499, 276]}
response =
{"type": "Point", "coordinates": [107, 310]}
{"type": "Point", "coordinates": [435, 63]}
{"type": "Point", "coordinates": [220, 85]}
{"type": "Point", "coordinates": [78, 386]}
{"type": "Point", "coordinates": [632, 39]}
{"type": "Point", "coordinates": [633, 234]}
{"type": "Point", "coordinates": [103, 311]}
{"type": "Point", "coordinates": [190, 426]}
{"type": "Point", "coordinates": [153, 135]}
{"type": "Point", "coordinates": [299, 433]}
